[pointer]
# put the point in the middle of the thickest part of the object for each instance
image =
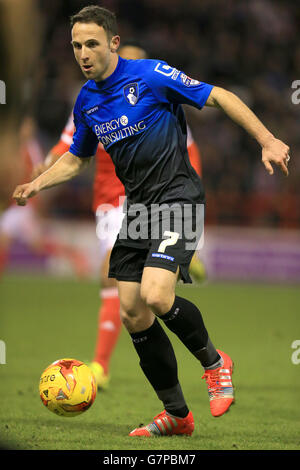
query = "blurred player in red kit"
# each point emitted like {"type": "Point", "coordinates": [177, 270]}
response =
{"type": "Point", "coordinates": [26, 226]}
{"type": "Point", "coordinates": [108, 197]}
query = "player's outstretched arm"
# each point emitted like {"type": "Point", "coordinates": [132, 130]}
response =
{"type": "Point", "coordinates": [273, 150]}
{"type": "Point", "coordinates": [50, 159]}
{"type": "Point", "coordinates": [67, 167]}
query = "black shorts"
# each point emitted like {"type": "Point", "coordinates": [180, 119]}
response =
{"type": "Point", "coordinates": [167, 238]}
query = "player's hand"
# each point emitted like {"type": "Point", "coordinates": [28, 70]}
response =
{"type": "Point", "coordinates": [25, 191]}
{"type": "Point", "coordinates": [276, 151]}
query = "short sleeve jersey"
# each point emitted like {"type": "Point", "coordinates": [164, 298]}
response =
{"type": "Point", "coordinates": [136, 114]}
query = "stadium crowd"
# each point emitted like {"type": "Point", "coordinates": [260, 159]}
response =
{"type": "Point", "coordinates": [251, 48]}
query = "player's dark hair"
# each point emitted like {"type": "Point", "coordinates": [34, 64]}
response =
{"type": "Point", "coordinates": [100, 16]}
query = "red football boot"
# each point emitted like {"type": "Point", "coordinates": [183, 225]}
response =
{"type": "Point", "coordinates": [220, 388]}
{"type": "Point", "coordinates": [166, 425]}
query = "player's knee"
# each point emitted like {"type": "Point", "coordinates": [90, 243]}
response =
{"type": "Point", "coordinates": [135, 321]}
{"type": "Point", "coordinates": [128, 309]}
{"type": "Point", "coordinates": [157, 300]}
{"type": "Point", "coordinates": [158, 289]}
{"type": "Point", "coordinates": [126, 319]}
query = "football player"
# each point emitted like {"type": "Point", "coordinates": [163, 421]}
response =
{"type": "Point", "coordinates": [147, 144]}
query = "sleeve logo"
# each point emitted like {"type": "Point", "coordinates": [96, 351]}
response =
{"type": "Point", "coordinates": [173, 73]}
{"type": "Point", "coordinates": [164, 69]}
{"type": "Point", "coordinates": [188, 81]}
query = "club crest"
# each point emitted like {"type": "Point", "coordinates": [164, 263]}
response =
{"type": "Point", "coordinates": [131, 93]}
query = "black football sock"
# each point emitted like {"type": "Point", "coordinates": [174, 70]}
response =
{"type": "Point", "coordinates": [159, 364]}
{"type": "Point", "coordinates": [185, 320]}
{"type": "Point", "coordinates": [173, 401]}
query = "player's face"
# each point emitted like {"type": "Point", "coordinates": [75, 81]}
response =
{"type": "Point", "coordinates": [94, 52]}
{"type": "Point", "coordinates": [132, 53]}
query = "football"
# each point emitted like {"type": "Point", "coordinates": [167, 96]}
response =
{"type": "Point", "coordinates": [68, 387]}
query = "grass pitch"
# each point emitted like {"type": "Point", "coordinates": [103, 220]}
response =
{"type": "Point", "coordinates": [46, 319]}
